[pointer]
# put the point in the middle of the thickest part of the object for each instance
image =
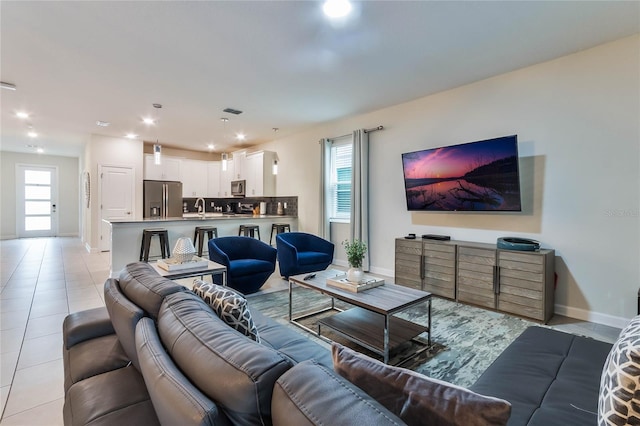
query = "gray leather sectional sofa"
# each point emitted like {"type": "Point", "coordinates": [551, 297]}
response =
{"type": "Point", "coordinates": [159, 355]}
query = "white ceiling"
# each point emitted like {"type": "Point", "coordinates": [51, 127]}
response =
{"type": "Point", "coordinates": [281, 62]}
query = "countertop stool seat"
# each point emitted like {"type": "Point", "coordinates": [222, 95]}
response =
{"type": "Point", "coordinates": [198, 236]}
{"type": "Point", "coordinates": [279, 228]}
{"type": "Point", "coordinates": [147, 234]}
{"type": "Point", "coordinates": [249, 231]}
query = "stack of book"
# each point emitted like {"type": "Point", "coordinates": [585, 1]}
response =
{"type": "Point", "coordinates": [366, 283]}
{"type": "Point", "coordinates": [172, 264]}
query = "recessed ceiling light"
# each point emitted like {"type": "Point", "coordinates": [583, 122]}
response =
{"type": "Point", "coordinates": [148, 121]}
{"type": "Point", "coordinates": [32, 134]}
{"type": "Point", "coordinates": [211, 146]}
{"type": "Point", "coordinates": [336, 8]}
{"type": "Point", "coordinates": [40, 150]}
{"type": "Point", "coordinates": [22, 114]}
{"type": "Point", "coordinates": [102, 123]}
{"type": "Point", "coordinates": [240, 136]}
{"type": "Point", "coordinates": [131, 136]}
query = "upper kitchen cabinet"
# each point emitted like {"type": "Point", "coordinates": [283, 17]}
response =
{"type": "Point", "coordinates": [226, 176]}
{"type": "Point", "coordinates": [239, 167]}
{"type": "Point", "coordinates": [168, 170]}
{"type": "Point", "coordinates": [213, 179]}
{"type": "Point", "coordinates": [261, 182]}
{"type": "Point", "coordinates": [195, 179]}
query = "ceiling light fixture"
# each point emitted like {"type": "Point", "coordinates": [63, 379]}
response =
{"type": "Point", "coordinates": [102, 123]}
{"type": "Point", "coordinates": [131, 136]}
{"type": "Point", "coordinates": [39, 150]}
{"type": "Point", "coordinates": [210, 147]}
{"type": "Point", "coordinates": [336, 8]}
{"type": "Point", "coordinates": [157, 149]}
{"type": "Point", "coordinates": [7, 86]}
{"type": "Point", "coordinates": [274, 167]}
{"type": "Point", "coordinates": [148, 121]}
{"type": "Point", "coordinates": [23, 115]}
{"type": "Point", "coordinates": [225, 157]}
{"type": "Point", "coordinates": [241, 136]}
{"type": "Point", "coordinates": [32, 134]}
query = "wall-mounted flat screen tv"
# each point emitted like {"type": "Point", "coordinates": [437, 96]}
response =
{"type": "Point", "coordinates": [475, 176]}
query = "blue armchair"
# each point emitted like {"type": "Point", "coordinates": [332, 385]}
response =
{"type": "Point", "coordinates": [249, 262]}
{"type": "Point", "coordinates": [299, 253]}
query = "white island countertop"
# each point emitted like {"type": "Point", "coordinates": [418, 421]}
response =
{"type": "Point", "coordinates": [126, 234]}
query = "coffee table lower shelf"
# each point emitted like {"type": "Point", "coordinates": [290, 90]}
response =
{"type": "Point", "coordinates": [366, 328]}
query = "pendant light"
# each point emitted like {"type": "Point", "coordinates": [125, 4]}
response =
{"type": "Point", "coordinates": [157, 148]}
{"type": "Point", "coordinates": [225, 156]}
{"type": "Point", "coordinates": [224, 161]}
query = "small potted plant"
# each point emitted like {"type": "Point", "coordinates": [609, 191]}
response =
{"type": "Point", "coordinates": [355, 250]}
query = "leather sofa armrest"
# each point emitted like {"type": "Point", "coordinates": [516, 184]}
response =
{"type": "Point", "coordinates": [85, 325]}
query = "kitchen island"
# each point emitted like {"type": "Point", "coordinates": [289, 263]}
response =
{"type": "Point", "coordinates": [126, 235]}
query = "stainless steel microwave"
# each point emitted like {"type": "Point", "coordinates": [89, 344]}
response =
{"type": "Point", "coordinates": [238, 188]}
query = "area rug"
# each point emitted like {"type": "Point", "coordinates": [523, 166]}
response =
{"type": "Point", "coordinates": [465, 339]}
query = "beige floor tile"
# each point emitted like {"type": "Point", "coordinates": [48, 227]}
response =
{"type": "Point", "coordinates": [43, 326]}
{"type": "Point", "coordinates": [50, 307]}
{"type": "Point", "coordinates": [40, 350]}
{"type": "Point", "coordinates": [76, 285]}
{"type": "Point", "coordinates": [49, 414]}
{"type": "Point", "coordinates": [35, 386]}
{"type": "Point", "coordinates": [82, 293]}
{"type": "Point", "coordinates": [12, 305]}
{"type": "Point", "coordinates": [11, 340]}
{"type": "Point", "coordinates": [51, 285]}
{"type": "Point", "coordinates": [46, 295]}
{"type": "Point", "coordinates": [15, 293]}
{"type": "Point", "coordinates": [4, 394]}
{"type": "Point", "coordinates": [15, 319]}
{"type": "Point", "coordinates": [84, 304]}
{"type": "Point", "coordinates": [8, 363]}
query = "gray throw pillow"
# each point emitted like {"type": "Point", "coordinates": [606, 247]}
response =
{"type": "Point", "coordinates": [229, 305]}
{"type": "Point", "coordinates": [620, 380]}
{"type": "Point", "coordinates": [415, 398]}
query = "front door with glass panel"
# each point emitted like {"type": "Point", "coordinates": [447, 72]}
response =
{"type": "Point", "coordinates": [36, 195]}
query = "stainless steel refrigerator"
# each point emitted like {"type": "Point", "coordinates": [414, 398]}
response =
{"type": "Point", "coordinates": [162, 199]}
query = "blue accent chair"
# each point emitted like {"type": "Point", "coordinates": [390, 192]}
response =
{"type": "Point", "coordinates": [299, 253]}
{"type": "Point", "coordinates": [249, 262]}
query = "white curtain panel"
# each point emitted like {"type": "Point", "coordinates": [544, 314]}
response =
{"type": "Point", "coordinates": [324, 227]}
{"type": "Point", "coordinates": [359, 227]}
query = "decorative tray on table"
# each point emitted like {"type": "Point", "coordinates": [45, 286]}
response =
{"type": "Point", "coordinates": [173, 264]}
{"type": "Point", "coordinates": [366, 283]}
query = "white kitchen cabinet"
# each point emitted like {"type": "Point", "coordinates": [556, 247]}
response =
{"type": "Point", "coordinates": [226, 176]}
{"type": "Point", "coordinates": [213, 179]}
{"type": "Point", "coordinates": [239, 168]}
{"type": "Point", "coordinates": [168, 170]}
{"type": "Point", "coordinates": [195, 178]}
{"type": "Point", "coordinates": [261, 182]}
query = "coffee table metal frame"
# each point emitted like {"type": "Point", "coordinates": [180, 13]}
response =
{"type": "Point", "coordinates": [212, 268]}
{"type": "Point", "coordinates": [374, 307]}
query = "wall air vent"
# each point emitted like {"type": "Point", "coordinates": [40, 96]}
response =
{"type": "Point", "coordinates": [232, 111]}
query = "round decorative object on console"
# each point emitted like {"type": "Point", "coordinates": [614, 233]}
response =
{"type": "Point", "coordinates": [184, 250]}
{"type": "Point", "coordinates": [520, 244]}
{"type": "Point", "coordinates": [355, 275]}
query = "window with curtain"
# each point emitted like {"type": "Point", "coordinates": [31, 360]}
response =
{"type": "Point", "coordinates": [340, 184]}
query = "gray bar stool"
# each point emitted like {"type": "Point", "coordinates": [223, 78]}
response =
{"type": "Point", "coordinates": [147, 234]}
{"type": "Point", "coordinates": [198, 235]}
{"type": "Point", "coordinates": [279, 228]}
{"type": "Point", "coordinates": [249, 231]}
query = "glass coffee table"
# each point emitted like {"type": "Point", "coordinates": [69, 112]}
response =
{"type": "Point", "coordinates": [371, 323]}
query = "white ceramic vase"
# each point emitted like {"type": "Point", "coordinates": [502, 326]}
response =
{"type": "Point", "coordinates": [355, 275]}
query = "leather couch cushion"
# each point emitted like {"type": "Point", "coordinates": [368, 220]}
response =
{"type": "Point", "coordinates": [312, 394]}
{"type": "Point", "coordinates": [546, 373]}
{"type": "Point", "coordinates": [84, 325]}
{"type": "Point", "coordinates": [124, 317]}
{"type": "Point", "coordinates": [175, 399]}
{"type": "Point", "coordinates": [144, 287]}
{"type": "Point", "coordinates": [418, 399]}
{"type": "Point", "coordinates": [234, 371]}
{"type": "Point", "coordinates": [117, 397]}
{"type": "Point", "coordinates": [92, 357]}
{"type": "Point", "coordinates": [297, 347]}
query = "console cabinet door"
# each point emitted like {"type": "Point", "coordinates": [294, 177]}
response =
{"type": "Point", "coordinates": [476, 276]}
{"type": "Point", "coordinates": [523, 283]}
{"type": "Point", "coordinates": [439, 269]}
{"type": "Point", "coordinates": [408, 263]}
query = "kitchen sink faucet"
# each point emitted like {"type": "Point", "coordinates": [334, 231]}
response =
{"type": "Point", "coordinates": [202, 212]}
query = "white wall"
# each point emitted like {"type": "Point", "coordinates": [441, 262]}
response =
{"type": "Point", "coordinates": [107, 151]}
{"type": "Point", "coordinates": [577, 121]}
{"type": "Point", "coordinates": [68, 191]}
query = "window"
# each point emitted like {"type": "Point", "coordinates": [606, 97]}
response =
{"type": "Point", "coordinates": [340, 182]}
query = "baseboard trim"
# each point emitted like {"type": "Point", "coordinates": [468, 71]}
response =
{"type": "Point", "coordinates": [88, 248]}
{"type": "Point", "coordinates": [8, 237]}
{"type": "Point", "coordinates": [597, 317]}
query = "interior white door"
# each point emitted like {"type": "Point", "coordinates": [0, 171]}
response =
{"type": "Point", "coordinates": [36, 195]}
{"type": "Point", "coordinates": [116, 199]}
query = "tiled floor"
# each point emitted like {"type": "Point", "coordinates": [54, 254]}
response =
{"type": "Point", "coordinates": [42, 280]}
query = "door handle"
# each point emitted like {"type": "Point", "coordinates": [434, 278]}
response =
{"type": "Point", "coordinates": [128, 212]}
